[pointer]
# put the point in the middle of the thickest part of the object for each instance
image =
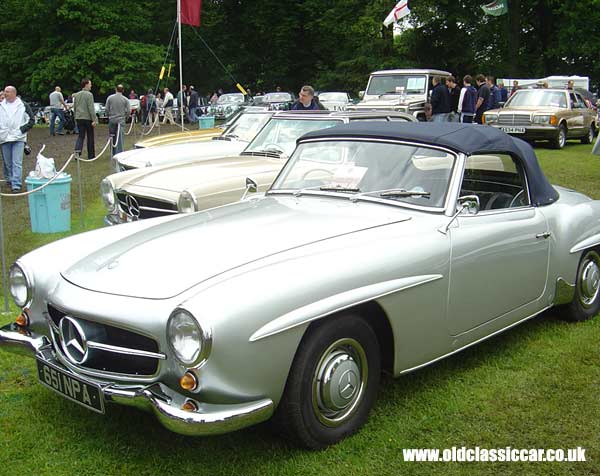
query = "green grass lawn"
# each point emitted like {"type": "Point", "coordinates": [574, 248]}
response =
{"type": "Point", "coordinates": [535, 386]}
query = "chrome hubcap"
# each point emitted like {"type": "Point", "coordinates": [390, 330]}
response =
{"type": "Point", "coordinates": [339, 382]}
{"type": "Point", "coordinates": [562, 137]}
{"type": "Point", "coordinates": [589, 280]}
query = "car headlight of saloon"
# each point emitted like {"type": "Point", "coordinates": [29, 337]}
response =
{"type": "Point", "coordinates": [107, 191]}
{"type": "Point", "coordinates": [189, 342]}
{"type": "Point", "coordinates": [21, 286]}
{"type": "Point", "coordinates": [490, 118]}
{"type": "Point", "coordinates": [544, 119]}
{"type": "Point", "coordinates": [187, 202]}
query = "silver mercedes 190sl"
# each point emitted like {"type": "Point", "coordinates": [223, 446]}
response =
{"type": "Point", "coordinates": [379, 247]}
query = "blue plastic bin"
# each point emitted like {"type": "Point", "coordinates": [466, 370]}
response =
{"type": "Point", "coordinates": [50, 208]}
{"type": "Point", "coordinates": [206, 122]}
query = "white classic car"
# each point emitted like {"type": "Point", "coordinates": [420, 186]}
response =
{"type": "Point", "coordinates": [235, 139]}
{"type": "Point", "coordinates": [380, 246]}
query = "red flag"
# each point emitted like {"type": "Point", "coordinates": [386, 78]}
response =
{"type": "Point", "coordinates": [190, 12]}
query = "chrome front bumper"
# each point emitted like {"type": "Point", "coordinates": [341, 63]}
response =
{"type": "Point", "coordinates": [165, 403]}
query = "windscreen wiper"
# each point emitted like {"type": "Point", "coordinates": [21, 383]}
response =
{"type": "Point", "coordinates": [394, 192]}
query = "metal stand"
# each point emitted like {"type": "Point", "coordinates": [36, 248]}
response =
{"type": "Point", "coordinates": [4, 274]}
{"type": "Point", "coordinates": [80, 192]}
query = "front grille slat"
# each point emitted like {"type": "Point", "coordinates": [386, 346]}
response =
{"type": "Point", "coordinates": [514, 119]}
{"type": "Point", "coordinates": [104, 359]}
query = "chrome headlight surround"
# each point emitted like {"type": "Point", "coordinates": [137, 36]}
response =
{"type": "Point", "coordinates": [490, 118]}
{"type": "Point", "coordinates": [190, 343]}
{"type": "Point", "coordinates": [542, 119]}
{"type": "Point", "coordinates": [21, 285]}
{"type": "Point", "coordinates": [107, 192]}
{"type": "Point", "coordinates": [187, 202]}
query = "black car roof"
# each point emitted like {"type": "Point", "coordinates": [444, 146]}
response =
{"type": "Point", "coordinates": [466, 138]}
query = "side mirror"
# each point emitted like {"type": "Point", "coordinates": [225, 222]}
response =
{"type": "Point", "coordinates": [361, 94]}
{"type": "Point", "coordinates": [469, 204]}
{"type": "Point", "coordinates": [251, 187]}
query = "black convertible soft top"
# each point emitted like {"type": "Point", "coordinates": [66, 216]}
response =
{"type": "Point", "coordinates": [466, 138]}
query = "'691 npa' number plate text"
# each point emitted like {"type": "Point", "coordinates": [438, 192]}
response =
{"type": "Point", "coordinates": [71, 387]}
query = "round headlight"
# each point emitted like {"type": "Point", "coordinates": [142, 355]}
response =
{"type": "Point", "coordinates": [490, 118]}
{"type": "Point", "coordinates": [188, 341]}
{"type": "Point", "coordinates": [187, 202]}
{"type": "Point", "coordinates": [108, 193]}
{"type": "Point", "coordinates": [20, 286]}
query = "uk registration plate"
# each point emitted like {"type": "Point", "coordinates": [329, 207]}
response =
{"type": "Point", "coordinates": [513, 130]}
{"type": "Point", "coordinates": [71, 387]}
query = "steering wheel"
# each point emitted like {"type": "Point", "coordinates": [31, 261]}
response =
{"type": "Point", "coordinates": [306, 174]}
{"type": "Point", "coordinates": [499, 199]}
{"type": "Point", "coordinates": [518, 197]}
{"type": "Point", "coordinates": [274, 147]}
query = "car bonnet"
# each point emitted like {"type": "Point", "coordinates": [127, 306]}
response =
{"type": "Point", "coordinates": [165, 260]}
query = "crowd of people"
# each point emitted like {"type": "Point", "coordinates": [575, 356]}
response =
{"type": "Point", "coordinates": [452, 103]}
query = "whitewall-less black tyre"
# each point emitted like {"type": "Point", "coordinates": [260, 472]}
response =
{"type": "Point", "coordinates": [587, 289]}
{"type": "Point", "coordinates": [332, 384]}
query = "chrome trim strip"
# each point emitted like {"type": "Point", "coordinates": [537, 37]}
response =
{"type": "Point", "coordinates": [585, 244]}
{"type": "Point", "coordinates": [126, 351]}
{"type": "Point", "coordinates": [162, 210]}
{"type": "Point", "coordinates": [21, 341]}
{"type": "Point", "coordinates": [339, 302]}
{"type": "Point", "coordinates": [412, 369]}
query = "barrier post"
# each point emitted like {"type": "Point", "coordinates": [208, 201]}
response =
{"type": "Point", "coordinates": [4, 275]}
{"type": "Point", "coordinates": [80, 191]}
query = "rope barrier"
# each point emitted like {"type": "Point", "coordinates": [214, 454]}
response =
{"type": "Point", "coordinates": [29, 192]}
{"type": "Point", "coordinates": [114, 144]}
{"type": "Point", "coordinates": [131, 126]}
{"type": "Point", "coordinates": [151, 128]}
{"type": "Point", "coordinates": [108, 142]}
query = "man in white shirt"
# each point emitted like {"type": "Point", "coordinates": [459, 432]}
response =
{"type": "Point", "coordinates": [168, 105]}
{"type": "Point", "coordinates": [16, 118]}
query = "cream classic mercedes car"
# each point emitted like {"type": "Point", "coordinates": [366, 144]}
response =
{"type": "Point", "coordinates": [197, 185]}
{"type": "Point", "coordinates": [379, 246]}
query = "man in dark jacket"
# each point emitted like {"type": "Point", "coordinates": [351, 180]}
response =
{"type": "Point", "coordinates": [193, 105]}
{"type": "Point", "coordinates": [483, 97]}
{"type": "Point", "coordinates": [454, 92]}
{"type": "Point", "coordinates": [440, 101]}
{"type": "Point", "coordinates": [306, 100]}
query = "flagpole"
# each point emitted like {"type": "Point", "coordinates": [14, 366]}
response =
{"type": "Point", "coordinates": [180, 66]}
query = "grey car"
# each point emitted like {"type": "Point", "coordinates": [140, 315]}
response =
{"type": "Point", "coordinates": [380, 246]}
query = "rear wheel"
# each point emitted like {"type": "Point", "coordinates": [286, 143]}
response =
{"type": "Point", "coordinates": [332, 384]}
{"type": "Point", "coordinates": [560, 139]}
{"type": "Point", "coordinates": [589, 137]}
{"type": "Point", "coordinates": [587, 289]}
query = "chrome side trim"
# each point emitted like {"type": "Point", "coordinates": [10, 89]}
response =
{"type": "Point", "coordinates": [338, 302]}
{"type": "Point", "coordinates": [123, 350]}
{"type": "Point", "coordinates": [162, 210]}
{"type": "Point", "coordinates": [565, 292]}
{"type": "Point", "coordinates": [412, 369]}
{"type": "Point", "coordinates": [585, 244]}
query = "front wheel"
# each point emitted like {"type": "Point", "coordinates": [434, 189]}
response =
{"type": "Point", "coordinates": [560, 139]}
{"type": "Point", "coordinates": [587, 289]}
{"type": "Point", "coordinates": [332, 383]}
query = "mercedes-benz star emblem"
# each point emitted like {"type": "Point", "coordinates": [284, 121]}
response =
{"type": "Point", "coordinates": [73, 341]}
{"type": "Point", "coordinates": [133, 207]}
{"type": "Point", "coordinates": [348, 384]}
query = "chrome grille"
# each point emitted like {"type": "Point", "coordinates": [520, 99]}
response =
{"type": "Point", "coordinates": [137, 207]}
{"type": "Point", "coordinates": [514, 119]}
{"type": "Point", "coordinates": [104, 348]}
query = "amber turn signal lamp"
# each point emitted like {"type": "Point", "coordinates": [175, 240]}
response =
{"type": "Point", "coordinates": [22, 320]}
{"type": "Point", "coordinates": [189, 406]}
{"type": "Point", "coordinates": [188, 382]}
{"type": "Point", "coordinates": [553, 120]}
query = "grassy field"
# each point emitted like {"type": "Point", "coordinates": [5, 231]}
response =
{"type": "Point", "coordinates": [536, 386]}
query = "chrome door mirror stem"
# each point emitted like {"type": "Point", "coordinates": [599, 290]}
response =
{"type": "Point", "coordinates": [251, 187]}
{"type": "Point", "coordinates": [469, 204]}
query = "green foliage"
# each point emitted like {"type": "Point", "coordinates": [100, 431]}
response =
{"type": "Point", "coordinates": [331, 44]}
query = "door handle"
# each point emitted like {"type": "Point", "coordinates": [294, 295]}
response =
{"type": "Point", "coordinates": [544, 235]}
